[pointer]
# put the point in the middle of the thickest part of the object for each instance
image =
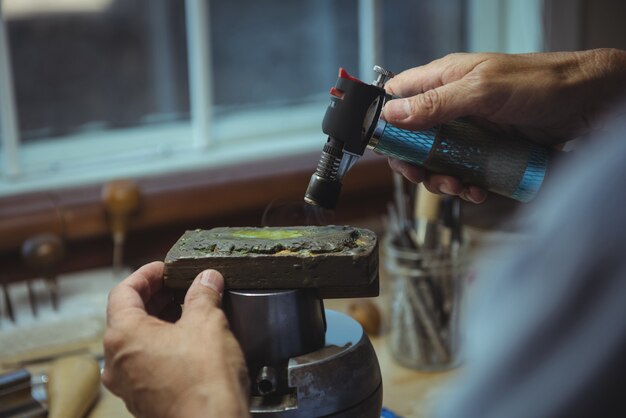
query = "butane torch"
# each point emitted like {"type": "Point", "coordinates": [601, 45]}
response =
{"type": "Point", "coordinates": [511, 166]}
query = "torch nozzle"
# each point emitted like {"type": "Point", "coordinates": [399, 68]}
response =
{"type": "Point", "coordinates": [325, 184]}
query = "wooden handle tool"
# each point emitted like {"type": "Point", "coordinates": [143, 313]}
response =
{"type": "Point", "coordinates": [427, 210]}
{"type": "Point", "coordinates": [8, 304]}
{"type": "Point", "coordinates": [121, 200]}
{"type": "Point", "coordinates": [73, 386]}
{"type": "Point", "coordinates": [43, 254]}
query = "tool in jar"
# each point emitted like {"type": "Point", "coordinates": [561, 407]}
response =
{"type": "Point", "coordinates": [511, 166]}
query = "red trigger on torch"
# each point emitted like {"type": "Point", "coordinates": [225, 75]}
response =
{"type": "Point", "coordinates": [344, 74]}
{"type": "Point", "coordinates": [334, 91]}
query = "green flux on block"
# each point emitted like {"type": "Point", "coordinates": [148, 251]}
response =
{"type": "Point", "coordinates": [271, 234]}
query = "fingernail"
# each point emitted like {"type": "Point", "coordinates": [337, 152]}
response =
{"type": "Point", "coordinates": [445, 189]}
{"type": "Point", "coordinates": [397, 109]}
{"type": "Point", "coordinates": [477, 196]}
{"type": "Point", "coordinates": [400, 168]}
{"type": "Point", "coordinates": [468, 196]}
{"type": "Point", "coordinates": [212, 280]}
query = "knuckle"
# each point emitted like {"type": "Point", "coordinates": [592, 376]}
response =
{"type": "Point", "coordinates": [107, 380]}
{"type": "Point", "coordinates": [427, 103]}
{"type": "Point", "coordinates": [202, 297]}
{"type": "Point", "coordinates": [208, 315]}
{"type": "Point", "coordinates": [485, 91]}
{"type": "Point", "coordinates": [447, 58]}
{"type": "Point", "coordinates": [218, 318]}
{"type": "Point", "coordinates": [480, 84]}
{"type": "Point", "coordinates": [480, 92]}
{"type": "Point", "coordinates": [452, 73]}
{"type": "Point", "coordinates": [454, 56]}
{"type": "Point", "coordinates": [481, 77]}
{"type": "Point", "coordinates": [192, 298]}
{"type": "Point", "coordinates": [113, 340]}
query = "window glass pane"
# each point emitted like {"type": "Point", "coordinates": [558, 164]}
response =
{"type": "Point", "coordinates": [93, 64]}
{"type": "Point", "coordinates": [279, 52]}
{"type": "Point", "coordinates": [419, 31]}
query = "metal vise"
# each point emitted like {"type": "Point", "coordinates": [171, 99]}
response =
{"type": "Point", "coordinates": [303, 360]}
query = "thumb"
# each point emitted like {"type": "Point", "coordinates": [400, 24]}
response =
{"type": "Point", "coordinates": [204, 294]}
{"type": "Point", "coordinates": [432, 107]}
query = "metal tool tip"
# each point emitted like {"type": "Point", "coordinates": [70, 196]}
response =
{"type": "Point", "coordinates": [380, 70]}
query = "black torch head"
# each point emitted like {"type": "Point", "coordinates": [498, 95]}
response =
{"type": "Point", "coordinates": [322, 192]}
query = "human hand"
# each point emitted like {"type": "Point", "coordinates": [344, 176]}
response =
{"type": "Point", "coordinates": [191, 368]}
{"type": "Point", "coordinates": [548, 97]}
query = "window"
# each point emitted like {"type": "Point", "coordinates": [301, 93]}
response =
{"type": "Point", "coordinates": [108, 88]}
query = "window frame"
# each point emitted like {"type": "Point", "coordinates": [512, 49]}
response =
{"type": "Point", "coordinates": [8, 117]}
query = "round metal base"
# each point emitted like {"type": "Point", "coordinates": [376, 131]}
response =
{"type": "Point", "coordinates": [341, 379]}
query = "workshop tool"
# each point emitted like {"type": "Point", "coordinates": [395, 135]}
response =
{"type": "Point", "coordinates": [505, 164]}
{"type": "Point", "coordinates": [16, 396]}
{"type": "Point", "coordinates": [451, 218]}
{"type": "Point", "coordinates": [433, 241]}
{"type": "Point", "coordinates": [72, 386]}
{"type": "Point", "coordinates": [8, 304]}
{"type": "Point", "coordinates": [67, 390]}
{"type": "Point", "coordinates": [303, 360]}
{"type": "Point", "coordinates": [427, 214]}
{"type": "Point", "coordinates": [121, 199]}
{"type": "Point", "coordinates": [43, 254]}
{"type": "Point", "coordinates": [452, 222]}
{"type": "Point", "coordinates": [404, 201]}
{"type": "Point", "coordinates": [32, 297]}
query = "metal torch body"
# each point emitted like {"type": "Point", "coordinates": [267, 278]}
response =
{"type": "Point", "coordinates": [508, 165]}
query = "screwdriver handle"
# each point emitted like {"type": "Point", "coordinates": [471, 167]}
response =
{"type": "Point", "coordinates": [43, 254]}
{"type": "Point", "coordinates": [121, 200]}
{"type": "Point", "coordinates": [511, 166]}
{"type": "Point", "coordinates": [73, 386]}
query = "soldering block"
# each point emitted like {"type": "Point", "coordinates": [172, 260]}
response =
{"type": "Point", "coordinates": [338, 261]}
